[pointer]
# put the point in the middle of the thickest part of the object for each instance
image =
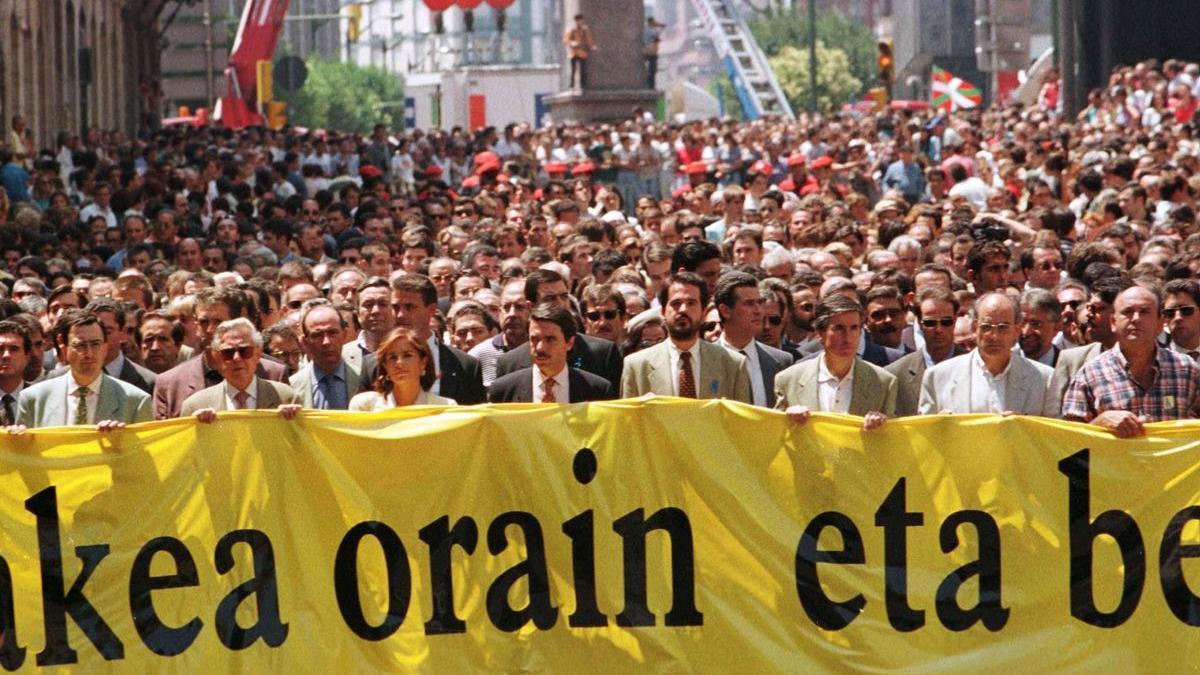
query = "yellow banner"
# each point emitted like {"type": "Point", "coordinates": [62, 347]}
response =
{"type": "Point", "coordinates": [667, 534]}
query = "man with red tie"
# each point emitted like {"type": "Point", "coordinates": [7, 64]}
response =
{"type": "Point", "coordinates": [550, 380]}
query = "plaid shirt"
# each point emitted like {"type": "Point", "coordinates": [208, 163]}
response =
{"type": "Point", "coordinates": [1105, 384]}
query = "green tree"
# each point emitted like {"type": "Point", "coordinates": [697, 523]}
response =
{"type": "Point", "coordinates": [835, 83]}
{"type": "Point", "coordinates": [346, 97]}
{"type": "Point", "coordinates": [779, 28]}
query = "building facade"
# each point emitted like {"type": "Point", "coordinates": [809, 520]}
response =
{"type": "Point", "coordinates": [76, 64]}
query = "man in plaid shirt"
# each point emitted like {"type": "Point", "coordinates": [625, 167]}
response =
{"type": "Point", "coordinates": [1136, 381]}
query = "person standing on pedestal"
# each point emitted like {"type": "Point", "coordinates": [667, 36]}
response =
{"type": "Point", "coordinates": [580, 45]}
{"type": "Point", "coordinates": [651, 36]}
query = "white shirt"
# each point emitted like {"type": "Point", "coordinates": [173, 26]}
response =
{"type": "Point", "coordinates": [435, 352]}
{"type": "Point", "coordinates": [987, 391]}
{"type": "Point", "coordinates": [251, 389]}
{"type": "Point", "coordinates": [834, 394]}
{"type": "Point", "coordinates": [93, 399]}
{"type": "Point", "coordinates": [561, 385]}
{"type": "Point", "coordinates": [94, 209]}
{"type": "Point", "coordinates": [750, 351]}
{"type": "Point", "coordinates": [673, 353]}
{"type": "Point", "coordinates": [113, 368]}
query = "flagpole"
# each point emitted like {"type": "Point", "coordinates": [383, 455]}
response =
{"type": "Point", "coordinates": [812, 54]}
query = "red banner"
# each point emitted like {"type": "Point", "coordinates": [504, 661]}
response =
{"type": "Point", "coordinates": [257, 35]}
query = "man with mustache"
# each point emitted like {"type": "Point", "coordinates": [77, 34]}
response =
{"type": "Point", "coordinates": [886, 318]}
{"type": "Point", "coordinates": [684, 365]}
{"type": "Point", "coordinates": [550, 379]}
{"type": "Point", "coordinates": [1095, 327]}
{"type": "Point", "coordinates": [1137, 381]}
{"type": "Point", "coordinates": [514, 319]}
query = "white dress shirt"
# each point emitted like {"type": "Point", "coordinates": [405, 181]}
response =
{"type": "Point", "coordinates": [251, 390]}
{"type": "Point", "coordinates": [113, 368]}
{"type": "Point", "coordinates": [673, 353]}
{"type": "Point", "coordinates": [561, 386]}
{"type": "Point", "coordinates": [834, 394]}
{"type": "Point", "coordinates": [987, 391]}
{"type": "Point", "coordinates": [93, 399]}
{"type": "Point", "coordinates": [750, 351]}
{"type": "Point", "coordinates": [435, 354]}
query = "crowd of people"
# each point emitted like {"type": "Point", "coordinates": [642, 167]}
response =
{"type": "Point", "coordinates": [1008, 260]}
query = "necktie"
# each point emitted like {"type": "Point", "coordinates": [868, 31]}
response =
{"type": "Point", "coordinates": [687, 379]}
{"type": "Point", "coordinates": [548, 392]}
{"type": "Point", "coordinates": [9, 416]}
{"type": "Point", "coordinates": [81, 411]}
{"type": "Point", "coordinates": [239, 399]}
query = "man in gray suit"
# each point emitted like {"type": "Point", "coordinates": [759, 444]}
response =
{"type": "Point", "coordinates": [837, 380]}
{"type": "Point", "coordinates": [994, 377]}
{"type": "Point", "coordinates": [376, 318]}
{"type": "Point", "coordinates": [740, 304]}
{"type": "Point", "coordinates": [329, 380]}
{"type": "Point", "coordinates": [84, 395]}
{"type": "Point", "coordinates": [937, 309]}
{"type": "Point", "coordinates": [115, 336]}
{"type": "Point", "coordinates": [237, 347]}
{"type": "Point", "coordinates": [684, 365]}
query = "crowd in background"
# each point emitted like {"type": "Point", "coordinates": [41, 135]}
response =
{"type": "Point", "coordinates": [1004, 260]}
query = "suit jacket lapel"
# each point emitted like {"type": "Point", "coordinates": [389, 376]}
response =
{"type": "Point", "coordinates": [267, 398]}
{"type": "Point", "coordinates": [863, 392]}
{"type": "Point", "coordinates": [711, 381]}
{"type": "Point", "coordinates": [1016, 390]}
{"type": "Point", "coordinates": [807, 387]}
{"type": "Point", "coordinates": [450, 375]}
{"type": "Point", "coordinates": [56, 406]}
{"type": "Point", "coordinates": [660, 368]}
{"type": "Point", "coordinates": [766, 370]}
{"type": "Point", "coordinates": [109, 400]}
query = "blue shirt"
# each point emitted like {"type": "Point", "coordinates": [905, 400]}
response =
{"type": "Point", "coordinates": [329, 389]}
{"type": "Point", "coordinates": [15, 180]}
{"type": "Point", "coordinates": [909, 179]}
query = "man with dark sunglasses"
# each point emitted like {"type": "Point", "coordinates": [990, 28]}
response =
{"type": "Point", "coordinates": [237, 348]}
{"type": "Point", "coordinates": [1181, 298]}
{"type": "Point", "coordinates": [936, 309]}
{"type": "Point", "coordinates": [740, 304]}
{"type": "Point", "coordinates": [603, 310]}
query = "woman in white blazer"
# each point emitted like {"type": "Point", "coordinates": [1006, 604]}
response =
{"type": "Point", "coordinates": [405, 374]}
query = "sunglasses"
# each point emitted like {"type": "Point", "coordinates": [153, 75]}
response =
{"type": "Point", "coordinates": [349, 260]}
{"type": "Point", "coordinates": [944, 322]}
{"type": "Point", "coordinates": [881, 314]}
{"type": "Point", "coordinates": [229, 352]}
{"type": "Point", "coordinates": [708, 326]}
{"type": "Point", "coordinates": [608, 314]}
{"type": "Point", "coordinates": [774, 320]}
{"type": "Point", "coordinates": [1073, 304]}
{"type": "Point", "coordinates": [1186, 310]}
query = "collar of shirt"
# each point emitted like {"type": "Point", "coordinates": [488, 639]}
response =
{"type": "Point", "coordinates": [561, 383]}
{"type": "Point", "coordinates": [74, 386]}
{"type": "Point", "coordinates": [862, 343]}
{"type": "Point", "coordinates": [251, 389]}
{"type": "Point", "coordinates": [1176, 347]}
{"type": "Point", "coordinates": [824, 376]}
{"type": "Point", "coordinates": [115, 366]}
{"type": "Point", "coordinates": [339, 372]}
{"type": "Point", "coordinates": [1158, 364]}
{"type": "Point", "coordinates": [977, 361]}
{"type": "Point", "coordinates": [15, 392]}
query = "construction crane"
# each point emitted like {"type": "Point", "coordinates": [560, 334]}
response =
{"type": "Point", "coordinates": [753, 80]}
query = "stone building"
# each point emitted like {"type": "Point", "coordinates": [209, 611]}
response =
{"type": "Point", "coordinates": [76, 64]}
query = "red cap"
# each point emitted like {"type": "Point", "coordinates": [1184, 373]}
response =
{"type": "Point", "coordinates": [760, 167]}
{"type": "Point", "coordinates": [796, 160]}
{"type": "Point", "coordinates": [487, 167]}
{"type": "Point", "coordinates": [821, 162]}
{"type": "Point", "coordinates": [810, 189]}
{"type": "Point", "coordinates": [583, 169]}
{"type": "Point", "coordinates": [695, 168]}
{"type": "Point", "coordinates": [369, 171]}
{"type": "Point", "coordinates": [556, 167]}
{"type": "Point", "coordinates": [679, 191]}
{"type": "Point", "coordinates": [471, 181]}
{"type": "Point", "coordinates": [485, 157]}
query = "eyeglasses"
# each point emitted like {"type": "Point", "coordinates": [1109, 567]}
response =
{"type": "Point", "coordinates": [944, 322]}
{"type": "Point", "coordinates": [1185, 310]}
{"type": "Point", "coordinates": [295, 304]}
{"type": "Point", "coordinates": [774, 319]}
{"type": "Point", "coordinates": [90, 346]}
{"type": "Point", "coordinates": [244, 352]}
{"type": "Point", "coordinates": [608, 314]}
{"type": "Point", "coordinates": [708, 326]}
{"type": "Point", "coordinates": [1050, 265]}
{"type": "Point", "coordinates": [349, 260]}
{"type": "Point", "coordinates": [883, 314]}
{"type": "Point", "coordinates": [997, 327]}
{"type": "Point", "coordinates": [286, 354]}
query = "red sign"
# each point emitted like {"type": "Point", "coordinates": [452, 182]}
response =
{"type": "Point", "coordinates": [257, 36]}
{"type": "Point", "coordinates": [476, 111]}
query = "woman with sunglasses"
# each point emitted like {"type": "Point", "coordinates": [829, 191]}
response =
{"type": "Point", "coordinates": [405, 374]}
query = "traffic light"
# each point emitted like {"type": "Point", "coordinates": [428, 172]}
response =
{"type": "Point", "coordinates": [276, 114]}
{"type": "Point", "coordinates": [265, 79]}
{"type": "Point", "coordinates": [353, 22]}
{"type": "Point", "coordinates": [887, 64]}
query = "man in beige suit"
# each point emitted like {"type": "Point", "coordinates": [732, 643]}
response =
{"type": "Point", "coordinates": [836, 379]}
{"type": "Point", "coordinates": [684, 365]}
{"type": "Point", "coordinates": [237, 346]}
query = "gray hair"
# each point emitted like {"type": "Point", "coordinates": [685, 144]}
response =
{"type": "Point", "coordinates": [239, 324]}
{"type": "Point", "coordinates": [1041, 300]}
{"type": "Point", "coordinates": [903, 241]}
{"type": "Point", "coordinates": [777, 255]}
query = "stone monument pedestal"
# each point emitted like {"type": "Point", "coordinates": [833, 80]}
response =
{"type": "Point", "coordinates": [616, 71]}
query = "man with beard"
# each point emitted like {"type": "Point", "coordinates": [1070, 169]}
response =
{"type": "Point", "coordinates": [550, 379]}
{"type": "Point", "coordinates": [886, 318]}
{"type": "Point", "coordinates": [1095, 327]}
{"type": "Point", "coordinates": [684, 365]}
{"type": "Point", "coordinates": [1040, 316]}
{"type": "Point", "coordinates": [514, 315]}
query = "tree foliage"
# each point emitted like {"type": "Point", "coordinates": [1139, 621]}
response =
{"type": "Point", "coordinates": [835, 83]}
{"type": "Point", "coordinates": [346, 97]}
{"type": "Point", "coordinates": [780, 28]}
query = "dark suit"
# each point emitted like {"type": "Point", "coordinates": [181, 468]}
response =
{"type": "Point", "coordinates": [909, 372]}
{"type": "Point", "coordinates": [461, 378]}
{"type": "Point", "coordinates": [173, 387]}
{"type": "Point", "coordinates": [770, 362]}
{"type": "Point", "coordinates": [139, 376]}
{"type": "Point", "coordinates": [517, 387]}
{"type": "Point", "coordinates": [595, 355]}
